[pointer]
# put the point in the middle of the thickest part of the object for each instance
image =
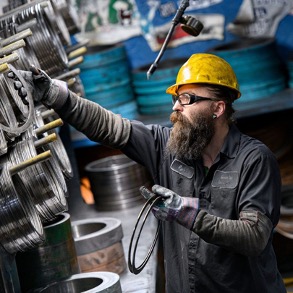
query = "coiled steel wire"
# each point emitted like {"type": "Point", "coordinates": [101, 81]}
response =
{"type": "Point", "coordinates": [34, 164]}
{"type": "Point", "coordinates": [21, 227]}
{"type": "Point", "coordinates": [69, 15]}
{"type": "Point", "coordinates": [16, 114]}
{"type": "Point", "coordinates": [26, 54]}
{"type": "Point", "coordinates": [44, 116]}
{"type": "Point", "coordinates": [45, 189]}
{"type": "Point", "coordinates": [45, 39]}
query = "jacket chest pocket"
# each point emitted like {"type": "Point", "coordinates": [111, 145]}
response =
{"type": "Point", "coordinates": [223, 191]}
{"type": "Point", "coordinates": [182, 178]}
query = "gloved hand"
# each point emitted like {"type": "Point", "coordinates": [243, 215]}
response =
{"type": "Point", "coordinates": [173, 207]}
{"type": "Point", "coordinates": [49, 91]}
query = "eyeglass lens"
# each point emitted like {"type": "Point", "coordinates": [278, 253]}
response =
{"type": "Point", "coordinates": [183, 99]}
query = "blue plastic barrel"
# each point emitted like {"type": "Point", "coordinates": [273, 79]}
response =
{"type": "Point", "coordinates": [151, 94]}
{"type": "Point", "coordinates": [258, 68]}
{"type": "Point", "coordinates": [106, 76]}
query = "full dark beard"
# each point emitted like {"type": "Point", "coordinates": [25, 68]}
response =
{"type": "Point", "coordinates": [189, 139]}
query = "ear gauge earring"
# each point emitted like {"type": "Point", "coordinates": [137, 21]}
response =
{"type": "Point", "coordinates": [214, 116]}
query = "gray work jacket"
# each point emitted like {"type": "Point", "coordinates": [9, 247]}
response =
{"type": "Point", "coordinates": [245, 176]}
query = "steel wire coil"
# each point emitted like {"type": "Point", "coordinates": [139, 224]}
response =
{"type": "Point", "coordinates": [69, 15]}
{"type": "Point", "coordinates": [56, 19]}
{"type": "Point", "coordinates": [21, 227]}
{"type": "Point", "coordinates": [45, 40]}
{"type": "Point", "coordinates": [115, 182]}
{"type": "Point", "coordinates": [54, 165]}
{"type": "Point", "coordinates": [16, 114]}
{"type": "Point", "coordinates": [56, 181]}
{"type": "Point", "coordinates": [3, 143]}
{"type": "Point", "coordinates": [45, 189]}
{"type": "Point", "coordinates": [57, 147]}
{"type": "Point", "coordinates": [20, 109]}
{"type": "Point", "coordinates": [26, 54]}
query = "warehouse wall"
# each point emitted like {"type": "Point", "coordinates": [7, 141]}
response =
{"type": "Point", "coordinates": [157, 15]}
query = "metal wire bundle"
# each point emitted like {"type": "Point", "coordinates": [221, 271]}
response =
{"type": "Point", "coordinates": [11, 4]}
{"type": "Point", "coordinates": [15, 114]}
{"type": "Point", "coordinates": [56, 18]}
{"type": "Point", "coordinates": [45, 189]}
{"type": "Point", "coordinates": [67, 21]}
{"type": "Point", "coordinates": [21, 227]}
{"type": "Point", "coordinates": [45, 40]}
{"type": "Point", "coordinates": [69, 14]}
{"type": "Point", "coordinates": [52, 164]}
{"type": "Point", "coordinates": [115, 181]}
{"type": "Point", "coordinates": [46, 43]}
{"type": "Point", "coordinates": [26, 54]}
{"type": "Point", "coordinates": [43, 116]}
{"type": "Point", "coordinates": [16, 110]}
{"type": "Point", "coordinates": [36, 192]}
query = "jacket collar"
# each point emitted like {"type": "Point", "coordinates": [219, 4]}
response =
{"type": "Point", "coordinates": [231, 144]}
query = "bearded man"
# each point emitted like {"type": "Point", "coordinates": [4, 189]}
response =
{"type": "Point", "coordinates": [219, 189]}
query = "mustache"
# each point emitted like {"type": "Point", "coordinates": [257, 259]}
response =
{"type": "Point", "coordinates": [176, 117]}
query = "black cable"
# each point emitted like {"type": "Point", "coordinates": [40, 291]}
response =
{"type": "Point", "coordinates": [175, 21]}
{"type": "Point", "coordinates": [131, 260]}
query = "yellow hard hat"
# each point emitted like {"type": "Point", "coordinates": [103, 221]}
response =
{"type": "Point", "coordinates": [206, 68]}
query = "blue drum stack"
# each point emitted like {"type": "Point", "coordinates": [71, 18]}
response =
{"type": "Point", "coordinates": [106, 78]}
{"type": "Point", "coordinates": [259, 70]}
{"type": "Point", "coordinates": [151, 94]}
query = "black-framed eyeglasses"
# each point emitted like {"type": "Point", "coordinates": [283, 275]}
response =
{"type": "Point", "coordinates": [188, 99]}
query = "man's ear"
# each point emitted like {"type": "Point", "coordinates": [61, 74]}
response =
{"type": "Point", "coordinates": [220, 108]}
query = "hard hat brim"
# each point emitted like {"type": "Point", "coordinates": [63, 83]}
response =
{"type": "Point", "coordinates": [173, 89]}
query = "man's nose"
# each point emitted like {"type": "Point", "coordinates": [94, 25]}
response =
{"type": "Point", "coordinates": [177, 106]}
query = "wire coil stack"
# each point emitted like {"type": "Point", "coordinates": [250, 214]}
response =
{"type": "Point", "coordinates": [115, 181]}
{"type": "Point", "coordinates": [17, 207]}
{"type": "Point", "coordinates": [41, 180]}
{"type": "Point", "coordinates": [46, 41]}
{"type": "Point", "coordinates": [68, 14]}
{"type": "Point", "coordinates": [34, 163]}
{"type": "Point", "coordinates": [16, 114]}
{"type": "Point", "coordinates": [32, 186]}
{"type": "Point", "coordinates": [49, 35]}
{"type": "Point", "coordinates": [44, 117]}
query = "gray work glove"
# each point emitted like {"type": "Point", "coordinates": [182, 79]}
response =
{"type": "Point", "coordinates": [172, 207]}
{"type": "Point", "coordinates": [50, 92]}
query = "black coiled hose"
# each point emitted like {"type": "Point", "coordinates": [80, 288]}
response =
{"type": "Point", "coordinates": [131, 255]}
